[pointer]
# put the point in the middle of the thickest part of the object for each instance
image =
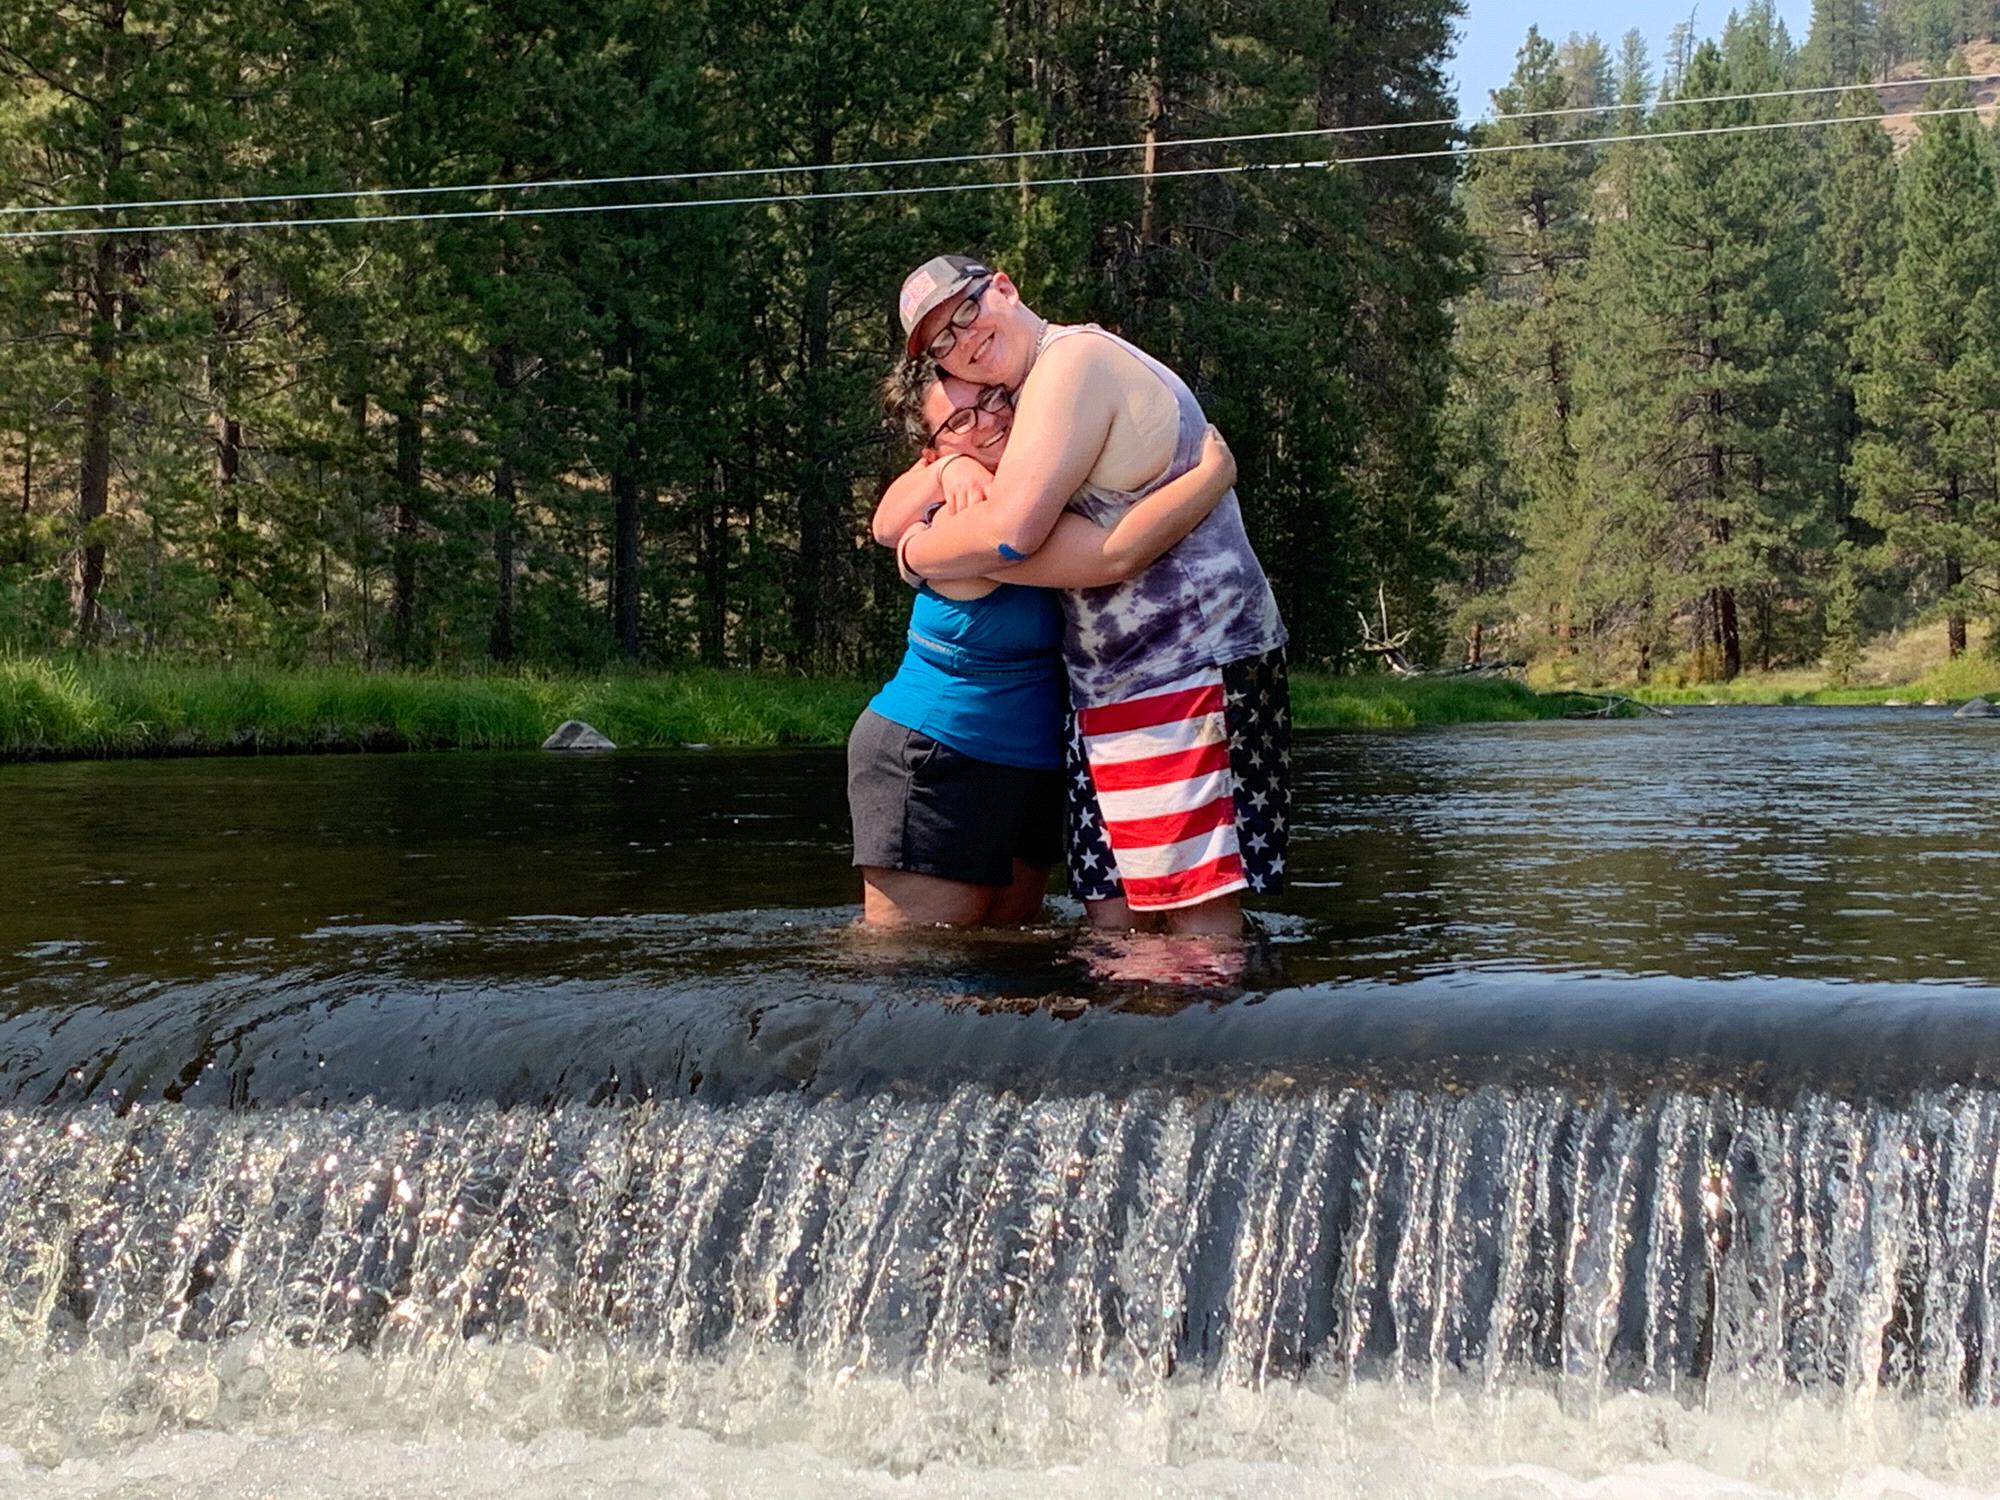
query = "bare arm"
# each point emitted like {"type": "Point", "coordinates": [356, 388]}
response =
{"type": "Point", "coordinates": [1061, 424]}
{"type": "Point", "coordinates": [903, 504]}
{"type": "Point", "coordinates": [918, 488]}
{"type": "Point", "coordinates": [1080, 554]}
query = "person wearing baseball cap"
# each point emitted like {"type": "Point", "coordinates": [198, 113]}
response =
{"type": "Point", "coordinates": [952, 305]}
{"type": "Point", "coordinates": [941, 279]}
{"type": "Point", "coordinates": [955, 781]}
{"type": "Point", "coordinates": [1188, 657]}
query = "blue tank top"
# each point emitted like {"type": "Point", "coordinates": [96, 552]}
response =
{"type": "Point", "coordinates": [984, 676]}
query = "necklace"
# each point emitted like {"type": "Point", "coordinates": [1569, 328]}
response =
{"type": "Point", "coordinates": [1041, 342]}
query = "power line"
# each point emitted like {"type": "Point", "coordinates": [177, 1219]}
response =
{"type": "Point", "coordinates": [1817, 89]}
{"type": "Point", "coordinates": [1003, 184]}
{"type": "Point", "coordinates": [1036, 153]}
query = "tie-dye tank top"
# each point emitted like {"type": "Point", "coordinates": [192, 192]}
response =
{"type": "Point", "coordinates": [1205, 603]}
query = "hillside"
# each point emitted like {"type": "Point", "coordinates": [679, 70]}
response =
{"type": "Point", "coordinates": [1980, 57]}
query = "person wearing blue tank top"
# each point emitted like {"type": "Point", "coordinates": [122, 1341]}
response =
{"type": "Point", "coordinates": [955, 770]}
{"type": "Point", "coordinates": [1181, 751]}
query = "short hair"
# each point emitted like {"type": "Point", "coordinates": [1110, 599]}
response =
{"type": "Point", "coordinates": [908, 382]}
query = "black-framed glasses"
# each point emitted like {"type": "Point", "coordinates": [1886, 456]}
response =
{"type": "Point", "coordinates": [961, 317]}
{"type": "Point", "coordinates": [992, 400]}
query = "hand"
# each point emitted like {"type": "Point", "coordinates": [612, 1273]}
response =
{"type": "Point", "coordinates": [963, 481]}
{"type": "Point", "coordinates": [1215, 455]}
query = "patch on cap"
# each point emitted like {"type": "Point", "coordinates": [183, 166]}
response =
{"type": "Point", "coordinates": [916, 287]}
{"type": "Point", "coordinates": [931, 285]}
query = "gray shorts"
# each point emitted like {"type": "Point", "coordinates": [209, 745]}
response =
{"type": "Point", "coordinates": [924, 807]}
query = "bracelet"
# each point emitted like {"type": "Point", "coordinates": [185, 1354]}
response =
{"type": "Point", "coordinates": [913, 578]}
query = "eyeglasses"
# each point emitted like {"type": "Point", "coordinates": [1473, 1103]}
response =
{"type": "Point", "coordinates": [992, 400]}
{"type": "Point", "coordinates": [961, 317]}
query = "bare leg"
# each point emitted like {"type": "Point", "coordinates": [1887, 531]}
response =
{"type": "Point", "coordinates": [1222, 917]}
{"type": "Point", "coordinates": [1113, 915]}
{"type": "Point", "coordinates": [1022, 901]}
{"type": "Point", "coordinates": [898, 898]}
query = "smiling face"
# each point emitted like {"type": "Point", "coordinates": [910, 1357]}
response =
{"type": "Point", "coordinates": [996, 347]}
{"type": "Point", "coordinates": [985, 439]}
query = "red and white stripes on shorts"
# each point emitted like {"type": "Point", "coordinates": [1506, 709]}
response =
{"type": "Point", "coordinates": [1160, 768]}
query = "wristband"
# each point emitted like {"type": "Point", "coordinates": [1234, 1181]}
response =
{"type": "Point", "coordinates": [909, 575]}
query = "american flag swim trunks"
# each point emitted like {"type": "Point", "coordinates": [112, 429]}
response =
{"type": "Point", "coordinates": [1181, 795]}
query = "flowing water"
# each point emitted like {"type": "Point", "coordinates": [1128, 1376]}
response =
{"type": "Point", "coordinates": [1608, 1110]}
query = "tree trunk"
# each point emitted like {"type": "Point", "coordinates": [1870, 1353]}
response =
{"type": "Point", "coordinates": [363, 544]}
{"type": "Point", "coordinates": [409, 504]}
{"type": "Point", "coordinates": [26, 555]}
{"type": "Point", "coordinates": [1954, 622]}
{"type": "Point", "coordinates": [500, 636]}
{"type": "Point", "coordinates": [104, 293]}
{"type": "Point", "coordinates": [228, 466]}
{"type": "Point", "coordinates": [325, 567]}
{"type": "Point", "coordinates": [500, 632]}
{"type": "Point", "coordinates": [94, 475]}
{"type": "Point", "coordinates": [1019, 81]}
{"type": "Point", "coordinates": [715, 570]}
{"type": "Point", "coordinates": [228, 437]}
{"type": "Point", "coordinates": [821, 486]}
{"type": "Point", "coordinates": [1155, 105]}
{"type": "Point", "coordinates": [1728, 632]}
{"type": "Point", "coordinates": [625, 494]}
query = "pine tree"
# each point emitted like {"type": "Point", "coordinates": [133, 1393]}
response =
{"type": "Point", "coordinates": [1842, 651]}
{"type": "Point", "coordinates": [1840, 44]}
{"type": "Point", "coordinates": [1705, 363]}
{"type": "Point", "coordinates": [1931, 393]}
{"type": "Point", "coordinates": [1532, 212]}
{"type": "Point", "coordinates": [100, 98]}
{"type": "Point", "coordinates": [1634, 78]}
{"type": "Point", "coordinates": [1856, 244]}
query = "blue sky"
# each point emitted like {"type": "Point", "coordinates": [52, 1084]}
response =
{"type": "Point", "coordinates": [1491, 32]}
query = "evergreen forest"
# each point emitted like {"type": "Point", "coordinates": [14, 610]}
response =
{"type": "Point", "coordinates": [1727, 393]}
{"type": "Point", "coordinates": [1627, 405]}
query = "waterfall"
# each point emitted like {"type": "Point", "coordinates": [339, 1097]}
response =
{"type": "Point", "coordinates": [1670, 1241]}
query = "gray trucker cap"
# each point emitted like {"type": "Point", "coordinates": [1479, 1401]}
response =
{"type": "Point", "coordinates": [931, 285]}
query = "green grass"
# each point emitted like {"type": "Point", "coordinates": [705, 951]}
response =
{"type": "Point", "coordinates": [113, 708]}
{"type": "Point", "coordinates": [85, 708]}
{"type": "Point", "coordinates": [1975, 675]}
{"type": "Point", "coordinates": [1323, 702]}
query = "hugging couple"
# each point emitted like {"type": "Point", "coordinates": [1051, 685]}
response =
{"type": "Point", "coordinates": [1096, 664]}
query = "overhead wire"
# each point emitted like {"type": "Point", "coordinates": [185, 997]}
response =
{"type": "Point", "coordinates": [1003, 184]}
{"type": "Point", "coordinates": [963, 159]}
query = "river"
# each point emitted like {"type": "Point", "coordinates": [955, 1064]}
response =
{"type": "Point", "coordinates": [1606, 1110]}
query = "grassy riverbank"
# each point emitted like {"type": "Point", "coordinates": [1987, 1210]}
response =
{"type": "Point", "coordinates": [88, 709]}
{"type": "Point", "coordinates": [1974, 675]}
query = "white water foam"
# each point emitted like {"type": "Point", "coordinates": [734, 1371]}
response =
{"type": "Point", "coordinates": [1292, 1291]}
{"type": "Point", "coordinates": [349, 1426]}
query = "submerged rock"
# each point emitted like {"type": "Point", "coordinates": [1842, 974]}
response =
{"type": "Point", "coordinates": [574, 734]}
{"type": "Point", "coordinates": [1978, 708]}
